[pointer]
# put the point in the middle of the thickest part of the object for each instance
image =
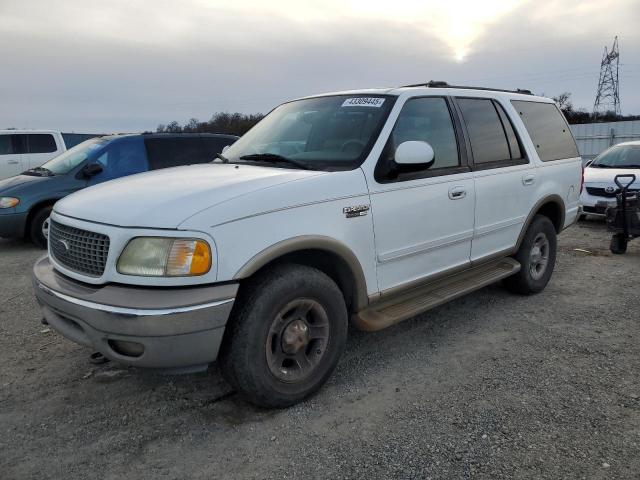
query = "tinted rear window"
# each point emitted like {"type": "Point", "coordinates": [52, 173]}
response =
{"type": "Point", "coordinates": [41, 143]}
{"type": "Point", "coordinates": [13, 144]}
{"type": "Point", "coordinates": [215, 145]}
{"type": "Point", "coordinates": [175, 151]}
{"type": "Point", "coordinates": [548, 130]}
{"type": "Point", "coordinates": [487, 136]}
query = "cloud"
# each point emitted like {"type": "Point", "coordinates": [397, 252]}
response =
{"type": "Point", "coordinates": [122, 65]}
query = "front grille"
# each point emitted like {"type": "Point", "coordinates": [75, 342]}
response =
{"type": "Point", "coordinates": [79, 250]}
{"type": "Point", "coordinates": [600, 192]}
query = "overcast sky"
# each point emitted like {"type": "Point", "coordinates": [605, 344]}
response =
{"type": "Point", "coordinates": [121, 65]}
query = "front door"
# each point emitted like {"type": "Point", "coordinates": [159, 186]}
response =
{"type": "Point", "coordinates": [423, 217]}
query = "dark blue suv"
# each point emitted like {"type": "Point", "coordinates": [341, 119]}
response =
{"type": "Point", "coordinates": [27, 199]}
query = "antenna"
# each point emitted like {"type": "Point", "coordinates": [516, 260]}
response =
{"type": "Point", "coordinates": [608, 95]}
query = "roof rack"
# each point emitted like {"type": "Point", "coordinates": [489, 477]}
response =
{"type": "Point", "coordinates": [441, 84]}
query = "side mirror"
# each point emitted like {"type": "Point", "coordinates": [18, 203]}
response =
{"type": "Point", "coordinates": [225, 148]}
{"type": "Point", "coordinates": [415, 153]}
{"type": "Point", "coordinates": [91, 169]}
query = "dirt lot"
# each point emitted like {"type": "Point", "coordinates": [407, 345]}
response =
{"type": "Point", "coordinates": [492, 385]}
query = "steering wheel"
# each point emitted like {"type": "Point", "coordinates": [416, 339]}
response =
{"type": "Point", "coordinates": [360, 145]}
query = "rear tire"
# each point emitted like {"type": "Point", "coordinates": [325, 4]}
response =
{"type": "Point", "coordinates": [618, 244]}
{"type": "Point", "coordinates": [37, 227]}
{"type": "Point", "coordinates": [287, 332]}
{"type": "Point", "coordinates": [537, 257]}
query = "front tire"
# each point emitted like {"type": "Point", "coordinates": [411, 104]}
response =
{"type": "Point", "coordinates": [286, 334]}
{"type": "Point", "coordinates": [39, 227]}
{"type": "Point", "coordinates": [537, 257]}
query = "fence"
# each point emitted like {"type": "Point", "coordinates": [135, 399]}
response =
{"type": "Point", "coordinates": [594, 138]}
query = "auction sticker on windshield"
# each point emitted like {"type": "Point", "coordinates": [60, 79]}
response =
{"type": "Point", "coordinates": [363, 102]}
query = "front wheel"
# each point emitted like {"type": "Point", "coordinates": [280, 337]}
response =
{"type": "Point", "coordinates": [287, 332]}
{"type": "Point", "coordinates": [39, 227]}
{"type": "Point", "coordinates": [537, 257]}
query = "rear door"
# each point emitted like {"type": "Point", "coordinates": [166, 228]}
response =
{"type": "Point", "coordinates": [423, 217]}
{"type": "Point", "coordinates": [504, 178]}
{"type": "Point", "coordinates": [42, 147]}
{"type": "Point", "coordinates": [13, 158]}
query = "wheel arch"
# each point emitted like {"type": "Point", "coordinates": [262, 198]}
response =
{"type": "Point", "coordinates": [34, 210]}
{"type": "Point", "coordinates": [324, 253]}
{"type": "Point", "coordinates": [552, 207]}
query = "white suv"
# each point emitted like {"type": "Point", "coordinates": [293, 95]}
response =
{"type": "Point", "coordinates": [368, 206]}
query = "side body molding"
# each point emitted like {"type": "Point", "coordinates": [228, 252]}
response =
{"type": "Point", "coordinates": [315, 243]}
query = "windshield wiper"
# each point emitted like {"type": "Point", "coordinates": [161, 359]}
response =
{"type": "Point", "coordinates": [274, 158]}
{"type": "Point", "coordinates": [44, 171]}
{"type": "Point", "coordinates": [222, 157]}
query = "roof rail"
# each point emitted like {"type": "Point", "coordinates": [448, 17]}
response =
{"type": "Point", "coordinates": [441, 84]}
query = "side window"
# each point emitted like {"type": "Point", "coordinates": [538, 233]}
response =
{"type": "Point", "coordinates": [121, 158]}
{"type": "Point", "coordinates": [512, 139]}
{"type": "Point", "coordinates": [486, 133]}
{"type": "Point", "coordinates": [41, 143]}
{"type": "Point", "coordinates": [548, 130]}
{"type": "Point", "coordinates": [6, 145]}
{"type": "Point", "coordinates": [19, 143]}
{"type": "Point", "coordinates": [12, 144]}
{"type": "Point", "coordinates": [175, 151]}
{"type": "Point", "coordinates": [423, 119]}
{"type": "Point", "coordinates": [215, 145]}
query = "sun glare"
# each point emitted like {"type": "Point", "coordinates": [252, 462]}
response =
{"type": "Point", "coordinates": [457, 23]}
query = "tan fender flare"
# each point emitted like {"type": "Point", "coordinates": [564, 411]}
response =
{"type": "Point", "coordinates": [311, 242]}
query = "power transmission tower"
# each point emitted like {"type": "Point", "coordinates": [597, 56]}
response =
{"type": "Point", "coordinates": [607, 97]}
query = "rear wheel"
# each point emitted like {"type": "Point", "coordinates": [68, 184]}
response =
{"type": "Point", "coordinates": [286, 335]}
{"type": "Point", "coordinates": [537, 257]}
{"type": "Point", "coordinates": [39, 227]}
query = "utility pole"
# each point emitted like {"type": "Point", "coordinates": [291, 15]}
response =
{"type": "Point", "coordinates": [608, 95]}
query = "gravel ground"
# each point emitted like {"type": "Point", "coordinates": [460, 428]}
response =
{"type": "Point", "coordinates": [492, 385]}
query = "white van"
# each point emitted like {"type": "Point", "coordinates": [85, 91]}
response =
{"type": "Point", "coordinates": [22, 150]}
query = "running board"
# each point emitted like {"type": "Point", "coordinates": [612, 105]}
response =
{"type": "Point", "coordinates": [387, 312]}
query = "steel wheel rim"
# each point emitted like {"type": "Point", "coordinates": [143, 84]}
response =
{"type": "Point", "coordinates": [297, 340]}
{"type": "Point", "coordinates": [45, 228]}
{"type": "Point", "coordinates": [539, 256]}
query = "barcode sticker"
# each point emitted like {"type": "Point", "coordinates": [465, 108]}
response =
{"type": "Point", "coordinates": [375, 102]}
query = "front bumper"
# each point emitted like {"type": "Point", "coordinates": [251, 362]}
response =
{"type": "Point", "coordinates": [595, 205]}
{"type": "Point", "coordinates": [164, 328]}
{"type": "Point", "coordinates": [12, 224]}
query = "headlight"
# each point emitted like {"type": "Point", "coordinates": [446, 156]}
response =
{"type": "Point", "coordinates": [165, 257]}
{"type": "Point", "coordinates": [8, 202]}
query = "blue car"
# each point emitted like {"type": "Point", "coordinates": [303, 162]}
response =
{"type": "Point", "coordinates": [26, 200]}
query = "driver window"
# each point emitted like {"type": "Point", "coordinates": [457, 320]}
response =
{"type": "Point", "coordinates": [427, 120]}
{"type": "Point", "coordinates": [121, 158]}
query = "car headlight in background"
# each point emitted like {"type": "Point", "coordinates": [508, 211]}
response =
{"type": "Point", "coordinates": [165, 257]}
{"type": "Point", "coordinates": [8, 202]}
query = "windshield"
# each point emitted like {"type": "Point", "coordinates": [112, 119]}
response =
{"type": "Point", "coordinates": [73, 157]}
{"type": "Point", "coordinates": [624, 156]}
{"type": "Point", "coordinates": [333, 132]}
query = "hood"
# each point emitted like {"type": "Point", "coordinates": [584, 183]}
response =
{"type": "Point", "coordinates": [165, 198]}
{"type": "Point", "coordinates": [603, 177]}
{"type": "Point", "coordinates": [9, 185]}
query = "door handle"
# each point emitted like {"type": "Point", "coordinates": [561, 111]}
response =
{"type": "Point", "coordinates": [528, 179]}
{"type": "Point", "coordinates": [456, 193]}
{"type": "Point", "coordinates": [13, 162]}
